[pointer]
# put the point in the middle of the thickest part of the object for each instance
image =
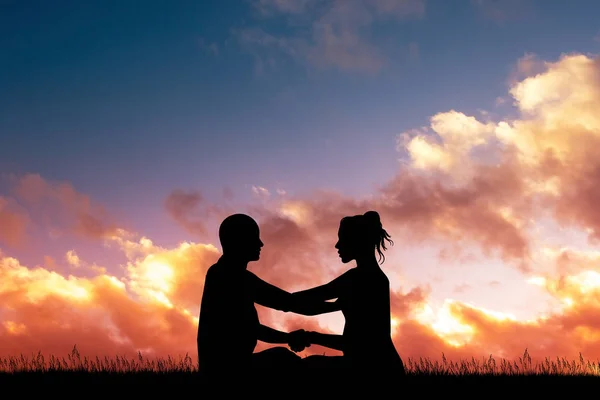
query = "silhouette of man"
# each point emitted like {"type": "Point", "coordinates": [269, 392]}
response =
{"type": "Point", "coordinates": [229, 328]}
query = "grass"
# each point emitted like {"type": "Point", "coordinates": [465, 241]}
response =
{"type": "Point", "coordinates": [74, 362]}
{"type": "Point", "coordinates": [74, 368]}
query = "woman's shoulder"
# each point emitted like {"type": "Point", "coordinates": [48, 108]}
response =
{"type": "Point", "coordinates": [351, 273]}
{"type": "Point", "coordinates": [377, 277]}
{"type": "Point", "coordinates": [347, 278]}
{"type": "Point", "coordinates": [373, 275]}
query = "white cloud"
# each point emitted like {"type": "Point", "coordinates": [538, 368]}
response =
{"type": "Point", "coordinates": [72, 258]}
{"type": "Point", "coordinates": [261, 192]}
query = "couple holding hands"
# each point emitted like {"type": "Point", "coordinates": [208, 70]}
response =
{"type": "Point", "coordinates": [229, 328]}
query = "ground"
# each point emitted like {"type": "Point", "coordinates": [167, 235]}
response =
{"type": "Point", "coordinates": [322, 382]}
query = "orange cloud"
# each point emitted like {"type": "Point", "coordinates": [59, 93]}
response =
{"type": "Point", "coordinates": [59, 203]}
{"type": "Point", "coordinates": [12, 224]}
{"type": "Point", "coordinates": [152, 308]}
{"type": "Point", "coordinates": [191, 211]}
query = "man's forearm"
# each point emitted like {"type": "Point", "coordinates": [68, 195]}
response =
{"type": "Point", "coordinates": [270, 335]}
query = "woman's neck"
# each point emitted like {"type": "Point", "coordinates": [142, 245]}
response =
{"type": "Point", "coordinates": [367, 262]}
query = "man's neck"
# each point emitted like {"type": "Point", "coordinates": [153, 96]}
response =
{"type": "Point", "coordinates": [235, 262]}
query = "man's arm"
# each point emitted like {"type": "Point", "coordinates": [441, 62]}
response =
{"type": "Point", "coordinates": [270, 335]}
{"type": "Point", "coordinates": [316, 308]}
{"type": "Point", "coordinates": [268, 295]}
{"type": "Point", "coordinates": [271, 296]}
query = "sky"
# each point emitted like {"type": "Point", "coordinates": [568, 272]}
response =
{"type": "Point", "coordinates": [129, 132]}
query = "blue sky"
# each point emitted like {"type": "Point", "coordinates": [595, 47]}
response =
{"type": "Point", "coordinates": [128, 103]}
{"type": "Point", "coordinates": [163, 95]}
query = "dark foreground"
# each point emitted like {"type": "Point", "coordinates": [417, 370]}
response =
{"type": "Point", "coordinates": [321, 381]}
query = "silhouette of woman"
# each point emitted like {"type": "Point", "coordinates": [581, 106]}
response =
{"type": "Point", "coordinates": [363, 296]}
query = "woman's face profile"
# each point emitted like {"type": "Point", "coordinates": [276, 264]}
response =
{"type": "Point", "coordinates": [345, 244]}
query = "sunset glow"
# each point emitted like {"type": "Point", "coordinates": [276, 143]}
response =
{"type": "Point", "coordinates": [482, 158]}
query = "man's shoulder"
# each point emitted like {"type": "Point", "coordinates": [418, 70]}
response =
{"type": "Point", "coordinates": [250, 274]}
{"type": "Point", "coordinates": [251, 278]}
{"type": "Point", "coordinates": [212, 270]}
{"type": "Point", "coordinates": [219, 272]}
{"type": "Point", "coordinates": [215, 272]}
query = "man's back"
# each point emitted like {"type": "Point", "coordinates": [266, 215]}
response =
{"type": "Point", "coordinates": [228, 323]}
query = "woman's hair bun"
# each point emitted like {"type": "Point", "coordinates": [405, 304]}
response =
{"type": "Point", "coordinates": [373, 216]}
{"type": "Point", "coordinates": [377, 235]}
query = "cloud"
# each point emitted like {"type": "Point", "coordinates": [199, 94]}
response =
{"type": "Point", "coordinates": [569, 261]}
{"type": "Point", "coordinates": [261, 192]}
{"type": "Point", "coordinates": [502, 11]}
{"type": "Point", "coordinates": [191, 211]}
{"type": "Point", "coordinates": [462, 288]}
{"type": "Point", "coordinates": [541, 163]}
{"type": "Point", "coordinates": [268, 7]}
{"type": "Point", "coordinates": [517, 171]}
{"type": "Point", "coordinates": [13, 224]}
{"type": "Point", "coordinates": [72, 258]}
{"type": "Point", "coordinates": [395, 8]}
{"type": "Point", "coordinates": [572, 330]}
{"type": "Point", "coordinates": [327, 33]}
{"type": "Point", "coordinates": [59, 206]}
{"type": "Point", "coordinates": [458, 133]}
{"type": "Point", "coordinates": [545, 157]}
{"type": "Point", "coordinates": [152, 307]}
{"type": "Point", "coordinates": [180, 204]}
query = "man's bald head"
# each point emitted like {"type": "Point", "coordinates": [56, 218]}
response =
{"type": "Point", "coordinates": [240, 237]}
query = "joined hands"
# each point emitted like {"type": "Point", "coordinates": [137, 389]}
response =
{"type": "Point", "coordinates": [298, 340]}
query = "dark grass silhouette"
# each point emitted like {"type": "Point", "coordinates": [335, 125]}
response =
{"type": "Point", "coordinates": [37, 371]}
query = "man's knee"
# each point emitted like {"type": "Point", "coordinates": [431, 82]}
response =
{"type": "Point", "coordinates": [284, 354]}
{"type": "Point", "coordinates": [276, 356]}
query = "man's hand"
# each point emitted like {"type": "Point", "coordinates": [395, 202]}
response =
{"type": "Point", "coordinates": [298, 340]}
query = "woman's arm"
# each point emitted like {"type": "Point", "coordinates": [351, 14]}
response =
{"type": "Point", "coordinates": [271, 296]}
{"type": "Point", "coordinates": [314, 301]}
{"type": "Point", "coordinates": [321, 293]}
{"type": "Point", "coordinates": [335, 342]}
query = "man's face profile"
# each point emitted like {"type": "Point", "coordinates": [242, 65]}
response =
{"type": "Point", "coordinates": [250, 243]}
